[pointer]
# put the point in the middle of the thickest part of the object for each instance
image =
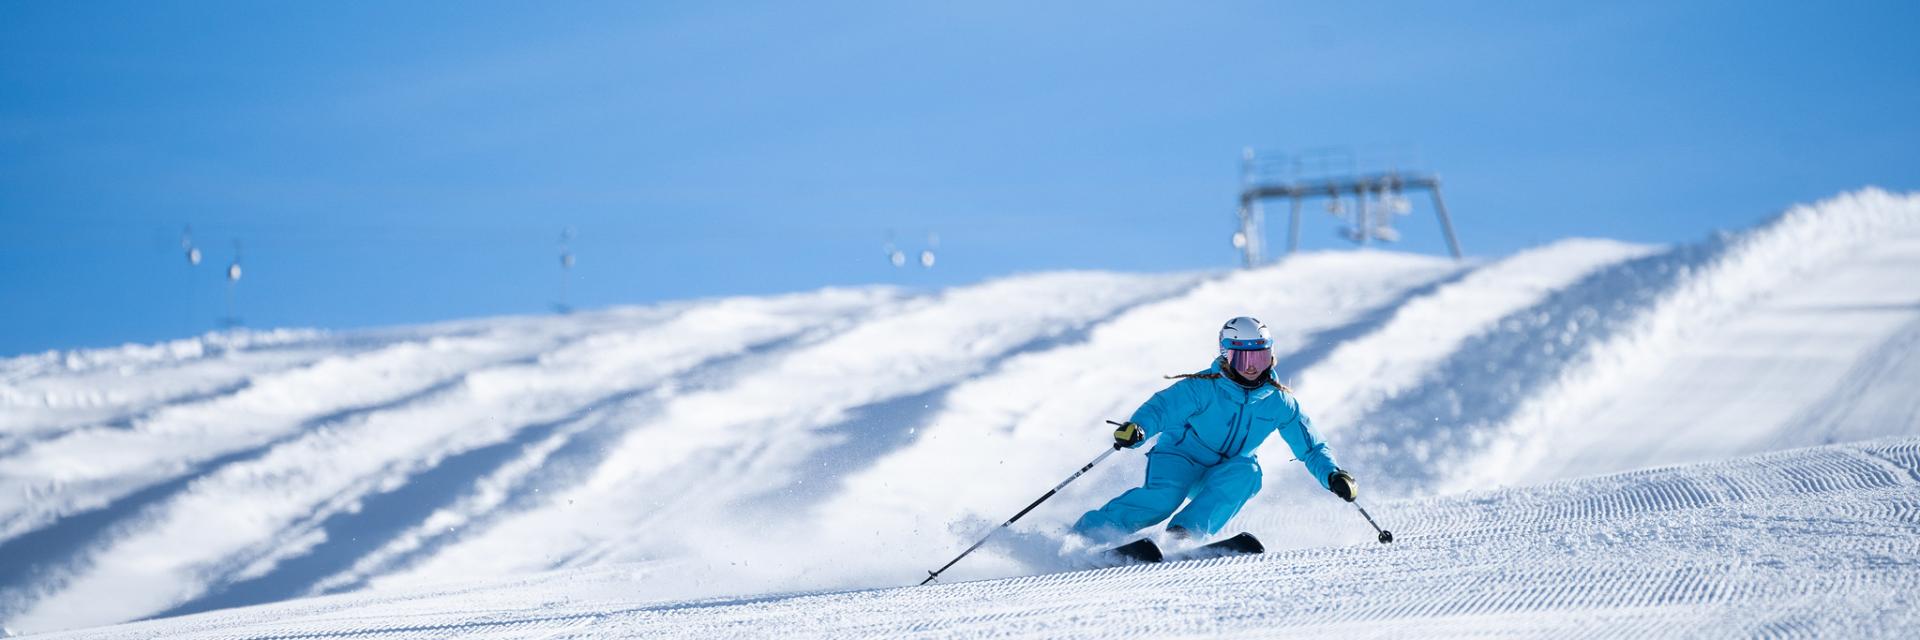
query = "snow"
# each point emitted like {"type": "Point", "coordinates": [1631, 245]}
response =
{"type": "Point", "coordinates": [1812, 542]}
{"type": "Point", "coordinates": [779, 465]}
{"type": "Point", "coordinates": [1755, 336]}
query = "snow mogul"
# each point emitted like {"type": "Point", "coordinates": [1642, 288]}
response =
{"type": "Point", "coordinates": [1210, 423]}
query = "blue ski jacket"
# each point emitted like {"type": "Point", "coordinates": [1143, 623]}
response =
{"type": "Point", "coordinates": [1209, 419]}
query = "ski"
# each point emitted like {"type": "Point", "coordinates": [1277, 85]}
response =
{"type": "Point", "coordinates": [1239, 545]}
{"type": "Point", "coordinates": [1142, 550]}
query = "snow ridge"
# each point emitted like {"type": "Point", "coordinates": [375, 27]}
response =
{"type": "Point", "coordinates": [1732, 277]}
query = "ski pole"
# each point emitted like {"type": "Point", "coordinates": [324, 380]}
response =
{"type": "Point", "coordinates": [1056, 489]}
{"type": "Point", "coordinates": [1385, 535]}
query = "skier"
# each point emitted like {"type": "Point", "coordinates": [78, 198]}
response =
{"type": "Point", "coordinates": [1209, 424]}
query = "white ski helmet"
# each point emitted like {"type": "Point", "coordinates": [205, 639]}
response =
{"type": "Point", "coordinates": [1246, 348]}
{"type": "Point", "coordinates": [1245, 333]}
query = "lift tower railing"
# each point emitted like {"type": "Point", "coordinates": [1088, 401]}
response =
{"type": "Point", "coordinates": [1362, 187]}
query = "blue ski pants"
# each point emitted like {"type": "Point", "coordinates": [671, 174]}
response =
{"type": "Point", "coordinates": [1217, 493]}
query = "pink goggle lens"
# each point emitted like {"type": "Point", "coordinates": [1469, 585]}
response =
{"type": "Point", "coordinates": [1252, 359]}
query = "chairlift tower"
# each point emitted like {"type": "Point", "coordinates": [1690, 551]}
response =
{"type": "Point", "coordinates": [1333, 175]}
{"type": "Point", "coordinates": [566, 271]}
{"type": "Point", "coordinates": [1252, 234]}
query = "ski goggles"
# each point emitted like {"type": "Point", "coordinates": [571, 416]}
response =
{"type": "Point", "coordinates": [1250, 359]}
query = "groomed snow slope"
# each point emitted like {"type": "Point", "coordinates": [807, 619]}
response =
{"type": "Point", "coordinates": [1810, 543]}
{"type": "Point", "coordinates": [853, 438]}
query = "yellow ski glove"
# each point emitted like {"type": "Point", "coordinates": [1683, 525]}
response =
{"type": "Point", "coordinates": [1129, 435]}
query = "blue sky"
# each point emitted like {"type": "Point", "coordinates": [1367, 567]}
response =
{"type": "Point", "coordinates": [384, 163]}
